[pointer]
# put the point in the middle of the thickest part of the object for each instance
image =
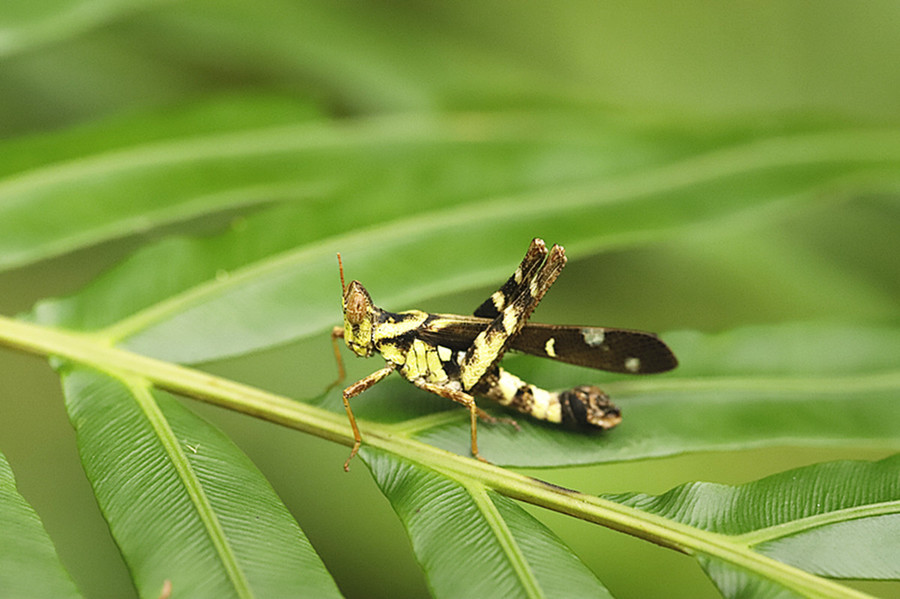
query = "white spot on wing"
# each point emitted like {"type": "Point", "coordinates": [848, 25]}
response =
{"type": "Point", "coordinates": [593, 337]}
{"type": "Point", "coordinates": [632, 364]}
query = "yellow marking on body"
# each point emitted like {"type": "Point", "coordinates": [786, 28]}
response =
{"type": "Point", "coordinates": [392, 353]}
{"type": "Point", "coordinates": [359, 337]}
{"type": "Point", "coordinates": [499, 300]}
{"type": "Point", "coordinates": [444, 353]}
{"type": "Point", "coordinates": [436, 372]}
{"type": "Point", "coordinates": [395, 328]}
{"type": "Point", "coordinates": [420, 350]}
{"type": "Point", "coordinates": [484, 349]}
{"type": "Point", "coordinates": [508, 384]}
{"type": "Point", "coordinates": [546, 405]}
{"type": "Point", "coordinates": [549, 348]}
{"type": "Point", "coordinates": [421, 362]}
{"type": "Point", "coordinates": [415, 361]}
{"type": "Point", "coordinates": [510, 321]}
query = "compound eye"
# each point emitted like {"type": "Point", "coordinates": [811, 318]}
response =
{"type": "Point", "coordinates": [356, 306]}
{"type": "Point", "coordinates": [354, 309]}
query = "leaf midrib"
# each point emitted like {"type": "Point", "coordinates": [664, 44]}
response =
{"type": "Point", "coordinates": [140, 390]}
{"type": "Point", "coordinates": [508, 544]}
{"type": "Point", "coordinates": [807, 523]}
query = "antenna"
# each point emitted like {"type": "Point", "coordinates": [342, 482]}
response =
{"type": "Point", "coordinates": [341, 267]}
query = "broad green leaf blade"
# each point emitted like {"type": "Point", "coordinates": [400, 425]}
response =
{"type": "Point", "coordinates": [788, 349]}
{"type": "Point", "coordinates": [837, 519]}
{"type": "Point", "coordinates": [272, 280]}
{"type": "Point", "coordinates": [861, 509]}
{"type": "Point", "coordinates": [182, 502]}
{"type": "Point", "coordinates": [752, 387]}
{"type": "Point", "coordinates": [143, 172]}
{"type": "Point", "coordinates": [713, 417]}
{"type": "Point", "coordinates": [29, 566]}
{"type": "Point", "coordinates": [25, 25]}
{"type": "Point", "coordinates": [110, 145]}
{"type": "Point", "coordinates": [475, 543]}
{"type": "Point", "coordinates": [147, 171]}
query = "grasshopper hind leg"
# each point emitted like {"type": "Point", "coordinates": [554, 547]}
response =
{"type": "Point", "coordinates": [585, 406]}
{"type": "Point", "coordinates": [460, 397]}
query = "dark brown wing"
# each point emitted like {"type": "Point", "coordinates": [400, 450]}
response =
{"type": "Point", "coordinates": [614, 350]}
{"type": "Point", "coordinates": [452, 330]}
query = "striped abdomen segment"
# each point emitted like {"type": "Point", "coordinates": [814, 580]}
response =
{"type": "Point", "coordinates": [585, 406]}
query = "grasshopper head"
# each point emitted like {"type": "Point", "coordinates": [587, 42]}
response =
{"type": "Point", "coordinates": [359, 316]}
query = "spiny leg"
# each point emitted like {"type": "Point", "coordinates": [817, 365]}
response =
{"type": "Point", "coordinates": [491, 343]}
{"type": "Point", "coordinates": [463, 398]}
{"type": "Point", "coordinates": [351, 392]}
{"type": "Point", "coordinates": [523, 274]}
{"type": "Point", "coordinates": [485, 417]}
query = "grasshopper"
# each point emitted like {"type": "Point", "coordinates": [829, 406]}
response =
{"type": "Point", "coordinates": [457, 357]}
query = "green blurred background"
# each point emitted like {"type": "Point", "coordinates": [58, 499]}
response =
{"type": "Point", "coordinates": [67, 63]}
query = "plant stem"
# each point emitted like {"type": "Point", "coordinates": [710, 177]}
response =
{"type": "Point", "coordinates": [96, 352]}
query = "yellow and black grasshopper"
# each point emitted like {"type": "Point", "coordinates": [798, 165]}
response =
{"type": "Point", "coordinates": [457, 356]}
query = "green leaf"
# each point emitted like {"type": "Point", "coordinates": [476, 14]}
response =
{"type": "Point", "coordinates": [142, 172]}
{"type": "Point", "coordinates": [837, 519]}
{"type": "Point", "coordinates": [739, 206]}
{"type": "Point", "coordinates": [240, 292]}
{"type": "Point", "coordinates": [752, 387]}
{"type": "Point", "coordinates": [270, 278]}
{"type": "Point", "coordinates": [29, 24]}
{"type": "Point", "coordinates": [182, 502]}
{"type": "Point", "coordinates": [142, 371]}
{"type": "Point", "coordinates": [472, 542]}
{"type": "Point", "coordinates": [29, 566]}
{"type": "Point", "coordinates": [788, 349]}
